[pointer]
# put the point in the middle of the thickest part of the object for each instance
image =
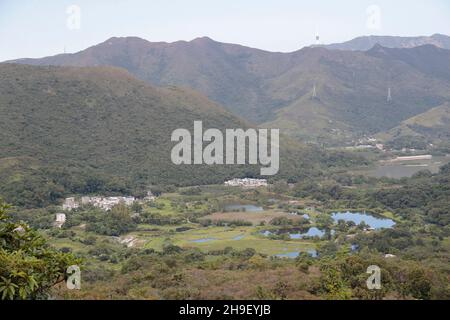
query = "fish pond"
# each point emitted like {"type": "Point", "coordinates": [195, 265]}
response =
{"type": "Point", "coordinates": [357, 218]}
{"type": "Point", "coordinates": [243, 207]}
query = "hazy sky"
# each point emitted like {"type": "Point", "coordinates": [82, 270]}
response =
{"type": "Point", "coordinates": [35, 28]}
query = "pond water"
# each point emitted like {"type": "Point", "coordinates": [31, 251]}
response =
{"type": "Point", "coordinates": [203, 240]}
{"type": "Point", "coordinates": [295, 254]}
{"type": "Point", "coordinates": [266, 233]}
{"type": "Point", "coordinates": [243, 207]}
{"type": "Point", "coordinates": [240, 237]}
{"type": "Point", "coordinates": [398, 171]}
{"type": "Point", "coordinates": [408, 168]}
{"type": "Point", "coordinates": [312, 232]}
{"type": "Point", "coordinates": [373, 222]}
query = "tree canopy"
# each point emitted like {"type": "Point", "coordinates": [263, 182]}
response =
{"type": "Point", "coordinates": [29, 267]}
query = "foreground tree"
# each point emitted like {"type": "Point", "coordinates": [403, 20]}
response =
{"type": "Point", "coordinates": [29, 268]}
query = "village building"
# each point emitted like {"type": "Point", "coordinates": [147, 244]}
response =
{"type": "Point", "coordinates": [60, 220]}
{"type": "Point", "coordinates": [413, 158]}
{"type": "Point", "coordinates": [107, 203]}
{"type": "Point", "coordinates": [150, 197]}
{"type": "Point", "coordinates": [70, 204]}
{"type": "Point", "coordinates": [247, 183]}
{"type": "Point", "coordinates": [104, 203]}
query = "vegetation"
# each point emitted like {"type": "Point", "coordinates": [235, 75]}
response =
{"type": "Point", "coordinates": [178, 253]}
{"type": "Point", "coordinates": [67, 131]}
{"type": "Point", "coordinates": [29, 268]}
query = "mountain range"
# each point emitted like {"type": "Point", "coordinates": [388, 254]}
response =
{"type": "Point", "coordinates": [316, 93]}
{"type": "Point", "coordinates": [367, 42]}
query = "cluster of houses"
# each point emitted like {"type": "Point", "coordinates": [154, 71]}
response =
{"type": "Point", "coordinates": [104, 203]}
{"type": "Point", "coordinates": [247, 183]}
{"type": "Point", "coordinates": [70, 204]}
{"type": "Point", "coordinates": [367, 143]}
{"type": "Point", "coordinates": [107, 203]}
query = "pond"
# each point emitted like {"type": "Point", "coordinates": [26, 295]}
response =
{"type": "Point", "coordinates": [295, 254]}
{"type": "Point", "coordinates": [312, 232]}
{"type": "Point", "coordinates": [243, 207]}
{"type": "Point", "coordinates": [239, 237]}
{"type": "Point", "coordinates": [266, 233]}
{"type": "Point", "coordinates": [408, 168]}
{"type": "Point", "coordinates": [357, 218]}
{"type": "Point", "coordinates": [203, 240]}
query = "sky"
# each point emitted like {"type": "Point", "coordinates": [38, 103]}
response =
{"type": "Point", "coordinates": [36, 28]}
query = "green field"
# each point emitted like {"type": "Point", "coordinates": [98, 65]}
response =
{"type": "Point", "coordinates": [218, 238]}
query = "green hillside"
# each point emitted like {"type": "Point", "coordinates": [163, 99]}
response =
{"type": "Point", "coordinates": [85, 130]}
{"type": "Point", "coordinates": [96, 128]}
{"type": "Point", "coordinates": [432, 126]}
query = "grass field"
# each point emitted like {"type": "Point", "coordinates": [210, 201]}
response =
{"type": "Point", "coordinates": [253, 217]}
{"type": "Point", "coordinates": [218, 238]}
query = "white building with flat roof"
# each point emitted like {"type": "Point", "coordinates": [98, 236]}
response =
{"type": "Point", "coordinates": [70, 204]}
{"type": "Point", "coordinates": [60, 220]}
{"type": "Point", "coordinates": [247, 183]}
{"type": "Point", "coordinates": [107, 203]}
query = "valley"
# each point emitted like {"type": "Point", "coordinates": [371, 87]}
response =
{"type": "Point", "coordinates": [186, 239]}
{"type": "Point", "coordinates": [88, 172]}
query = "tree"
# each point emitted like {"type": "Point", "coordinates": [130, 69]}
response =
{"type": "Point", "coordinates": [324, 221]}
{"type": "Point", "coordinates": [418, 285]}
{"type": "Point", "coordinates": [333, 284]}
{"type": "Point", "coordinates": [29, 268]}
{"type": "Point", "coordinates": [114, 223]}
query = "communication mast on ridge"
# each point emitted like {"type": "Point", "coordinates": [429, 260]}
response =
{"type": "Point", "coordinates": [314, 93]}
{"type": "Point", "coordinates": [317, 38]}
{"type": "Point", "coordinates": [317, 43]}
{"type": "Point", "coordinates": [389, 94]}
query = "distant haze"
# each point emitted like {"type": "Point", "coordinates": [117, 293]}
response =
{"type": "Point", "coordinates": [32, 28]}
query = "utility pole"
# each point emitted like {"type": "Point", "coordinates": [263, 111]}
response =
{"type": "Point", "coordinates": [314, 94]}
{"type": "Point", "coordinates": [389, 96]}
